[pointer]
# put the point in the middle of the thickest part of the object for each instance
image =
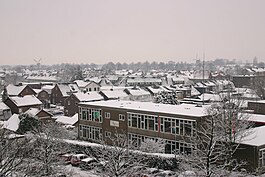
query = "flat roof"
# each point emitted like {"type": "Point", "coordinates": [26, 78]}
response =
{"type": "Point", "coordinates": [182, 109]}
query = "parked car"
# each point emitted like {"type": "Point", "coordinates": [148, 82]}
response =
{"type": "Point", "coordinates": [88, 163]}
{"type": "Point", "coordinates": [76, 159]}
{"type": "Point", "coordinates": [66, 158]}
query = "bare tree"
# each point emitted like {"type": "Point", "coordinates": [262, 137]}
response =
{"type": "Point", "coordinates": [118, 159]}
{"type": "Point", "coordinates": [152, 146]}
{"type": "Point", "coordinates": [46, 146]}
{"type": "Point", "coordinates": [13, 151]}
{"type": "Point", "coordinates": [217, 138]}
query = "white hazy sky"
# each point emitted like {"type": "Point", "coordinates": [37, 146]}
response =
{"type": "Point", "coordinates": [99, 31]}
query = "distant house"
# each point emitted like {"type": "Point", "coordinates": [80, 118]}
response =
{"type": "Point", "coordinates": [92, 87]}
{"type": "Point", "coordinates": [87, 86]}
{"type": "Point", "coordinates": [71, 102]}
{"type": "Point", "coordinates": [142, 81]}
{"type": "Point", "coordinates": [61, 91]}
{"type": "Point", "coordinates": [40, 114]}
{"type": "Point", "coordinates": [100, 81]}
{"type": "Point", "coordinates": [138, 94]}
{"type": "Point", "coordinates": [5, 111]}
{"type": "Point", "coordinates": [13, 90]}
{"type": "Point", "coordinates": [43, 78]}
{"type": "Point", "coordinates": [22, 104]}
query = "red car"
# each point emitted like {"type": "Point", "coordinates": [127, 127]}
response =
{"type": "Point", "coordinates": [66, 158]}
{"type": "Point", "coordinates": [76, 159]}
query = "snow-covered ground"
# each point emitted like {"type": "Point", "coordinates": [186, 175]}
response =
{"type": "Point", "coordinates": [77, 172]}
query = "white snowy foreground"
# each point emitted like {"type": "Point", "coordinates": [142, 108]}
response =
{"type": "Point", "coordinates": [77, 172]}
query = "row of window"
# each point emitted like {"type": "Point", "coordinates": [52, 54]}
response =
{"type": "Point", "coordinates": [170, 146]}
{"type": "Point", "coordinates": [91, 114]}
{"type": "Point", "coordinates": [90, 132]}
{"type": "Point", "coordinates": [162, 124]}
{"type": "Point", "coordinates": [95, 115]}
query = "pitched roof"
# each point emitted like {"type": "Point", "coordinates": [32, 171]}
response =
{"type": "Point", "coordinates": [3, 106]}
{"type": "Point", "coordinates": [81, 83]}
{"type": "Point", "coordinates": [66, 89]}
{"type": "Point", "coordinates": [67, 120]}
{"type": "Point", "coordinates": [32, 112]}
{"type": "Point", "coordinates": [14, 90]}
{"type": "Point", "coordinates": [26, 100]}
{"type": "Point", "coordinates": [48, 88]}
{"type": "Point", "coordinates": [12, 123]}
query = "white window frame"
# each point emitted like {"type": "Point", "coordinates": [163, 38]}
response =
{"type": "Point", "coordinates": [122, 117]}
{"type": "Point", "coordinates": [107, 115]}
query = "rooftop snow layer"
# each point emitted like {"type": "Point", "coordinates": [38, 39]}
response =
{"type": "Point", "coordinates": [26, 100]}
{"type": "Point", "coordinates": [14, 90]}
{"type": "Point", "coordinates": [91, 96]}
{"type": "Point", "coordinates": [183, 109]}
{"type": "Point", "coordinates": [12, 123]}
{"type": "Point", "coordinates": [256, 137]}
{"type": "Point", "coordinates": [67, 120]}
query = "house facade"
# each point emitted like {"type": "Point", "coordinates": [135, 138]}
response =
{"type": "Point", "coordinates": [140, 120]}
{"type": "Point", "coordinates": [71, 102]}
{"type": "Point", "coordinates": [44, 97]}
{"type": "Point", "coordinates": [40, 114]}
{"type": "Point", "coordinates": [61, 91]}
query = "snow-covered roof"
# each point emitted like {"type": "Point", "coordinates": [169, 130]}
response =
{"type": "Point", "coordinates": [259, 118]}
{"type": "Point", "coordinates": [26, 100]}
{"type": "Point", "coordinates": [256, 137]}
{"type": "Point", "coordinates": [95, 79]}
{"type": "Point", "coordinates": [37, 90]}
{"type": "Point", "coordinates": [81, 83]}
{"type": "Point", "coordinates": [43, 78]}
{"type": "Point", "coordinates": [91, 96]}
{"type": "Point", "coordinates": [182, 109]}
{"type": "Point", "coordinates": [113, 87]}
{"type": "Point", "coordinates": [66, 89]}
{"type": "Point", "coordinates": [115, 94]}
{"type": "Point", "coordinates": [14, 90]}
{"type": "Point", "coordinates": [3, 106]}
{"type": "Point", "coordinates": [138, 91]}
{"type": "Point", "coordinates": [144, 80]}
{"type": "Point", "coordinates": [211, 97]}
{"type": "Point", "coordinates": [12, 123]}
{"type": "Point", "coordinates": [155, 90]}
{"type": "Point", "coordinates": [67, 120]}
{"type": "Point", "coordinates": [48, 88]}
{"type": "Point", "coordinates": [194, 91]}
{"type": "Point", "coordinates": [32, 112]}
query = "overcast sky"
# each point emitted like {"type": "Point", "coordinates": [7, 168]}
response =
{"type": "Point", "coordinates": [99, 31]}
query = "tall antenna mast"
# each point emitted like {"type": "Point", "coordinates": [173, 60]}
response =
{"type": "Point", "coordinates": [203, 89]}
